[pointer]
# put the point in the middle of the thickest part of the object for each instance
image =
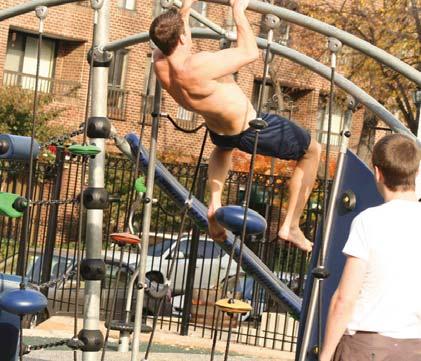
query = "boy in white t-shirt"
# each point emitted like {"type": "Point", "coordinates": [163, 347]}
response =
{"type": "Point", "coordinates": [375, 313]}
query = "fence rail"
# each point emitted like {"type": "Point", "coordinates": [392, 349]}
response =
{"type": "Point", "coordinates": [53, 227]}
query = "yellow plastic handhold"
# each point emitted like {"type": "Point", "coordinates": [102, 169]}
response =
{"type": "Point", "coordinates": [230, 305]}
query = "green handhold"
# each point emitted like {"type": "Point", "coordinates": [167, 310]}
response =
{"type": "Point", "coordinates": [88, 150]}
{"type": "Point", "coordinates": [8, 202]}
{"type": "Point", "coordinates": [139, 185]}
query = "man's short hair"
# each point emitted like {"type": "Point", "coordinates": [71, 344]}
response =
{"type": "Point", "coordinates": [166, 29]}
{"type": "Point", "coordinates": [398, 158]}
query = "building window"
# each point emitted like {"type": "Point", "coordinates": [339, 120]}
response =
{"type": "Point", "coordinates": [201, 8]}
{"type": "Point", "coordinates": [21, 62]}
{"type": "Point", "coordinates": [117, 95]}
{"type": "Point", "coordinates": [323, 122]}
{"type": "Point", "coordinates": [127, 4]}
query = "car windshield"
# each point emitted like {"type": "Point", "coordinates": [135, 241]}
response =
{"type": "Point", "coordinates": [59, 265]}
{"type": "Point", "coordinates": [157, 249]}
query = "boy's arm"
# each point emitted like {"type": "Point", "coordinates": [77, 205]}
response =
{"type": "Point", "coordinates": [342, 305]}
{"type": "Point", "coordinates": [228, 61]}
{"type": "Point", "coordinates": [185, 12]}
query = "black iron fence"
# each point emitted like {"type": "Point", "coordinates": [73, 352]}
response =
{"type": "Point", "coordinates": [201, 264]}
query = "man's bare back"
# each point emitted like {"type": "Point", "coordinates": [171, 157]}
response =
{"type": "Point", "coordinates": [221, 102]}
{"type": "Point", "coordinates": [202, 82]}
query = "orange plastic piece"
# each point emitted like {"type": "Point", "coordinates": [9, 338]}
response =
{"type": "Point", "coordinates": [124, 238]}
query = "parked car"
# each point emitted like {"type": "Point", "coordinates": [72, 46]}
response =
{"type": "Point", "coordinates": [247, 289]}
{"type": "Point", "coordinates": [211, 264]}
{"type": "Point", "coordinates": [62, 297]}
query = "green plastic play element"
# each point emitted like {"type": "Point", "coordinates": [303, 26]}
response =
{"type": "Point", "coordinates": [139, 185]}
{"type": "Point", "coordinates": [7, 202]}
{"type": "Point", "coordinates": [88, 150]}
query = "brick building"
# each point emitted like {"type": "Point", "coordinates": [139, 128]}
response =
{"type": "Point", "coordinates": [64, 70]}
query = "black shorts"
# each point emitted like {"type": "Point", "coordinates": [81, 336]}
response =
{"type": "Point", "coordinates": [281, 139]}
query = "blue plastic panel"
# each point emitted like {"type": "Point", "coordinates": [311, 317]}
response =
{"type": "Point", "coordinates": [358, 178]}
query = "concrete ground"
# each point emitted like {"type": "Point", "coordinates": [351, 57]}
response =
{"type": "Point", "coordinates": [168, 345]}
{"type": "Point", "coordinates": [118, 356]}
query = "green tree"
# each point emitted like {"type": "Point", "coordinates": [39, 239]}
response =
{"type": "Point", "coordinates": [16, 106]}
{"type": "Point", "coordinates": [392, 25]}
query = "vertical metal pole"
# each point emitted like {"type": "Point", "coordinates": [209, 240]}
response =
{"type": "Point", "coordinates": [417, 101]}
{"type": "Point", "coordinates": [147, 212]}
{"type": "Point", "coordinates": [191, 270]}
{"type": "Point", "coordinates": [94, 221]}
{"type": "Point", "coordinates": [52, 220]}
{"type": "Point", "coordinates": [311, 313]}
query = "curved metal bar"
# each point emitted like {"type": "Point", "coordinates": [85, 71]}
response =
{"type": "Point", "coordinates": [128, 41]}
{"type": "Point", "coordinates": [299, 58]}
{"type": "Point", "coordinates": [363, 46]}
{"type": "Point", "coordinates": [29, 6]}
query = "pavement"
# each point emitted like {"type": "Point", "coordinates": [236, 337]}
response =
{"type": "Point", "coordinates": [119, 356]}
{"type": "Point", "coordinates": [168, 345]}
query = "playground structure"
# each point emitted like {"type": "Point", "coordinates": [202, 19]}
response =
{"type": "Point", "coordinates": [346, 200]}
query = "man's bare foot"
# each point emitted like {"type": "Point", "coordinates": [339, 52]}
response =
{"type": "Point", "coordinates": [296, 237]}
{"type": "Point", "coordinates": [216, 231]}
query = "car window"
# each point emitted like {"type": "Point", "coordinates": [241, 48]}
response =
{"type": "Point", "coordinates": [184, 248]}
{"type": "Point", "coordinates": [59, 265]}
{"type": "Point", "coordinates": [111, 271]}
{"type": "Point", "coordinates": [208, 249]}
{"type": "Point", "coordinates": [158, 249]}
{"type": "Point", "coordinates": [34, 268]}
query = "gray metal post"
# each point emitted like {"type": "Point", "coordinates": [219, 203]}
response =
{"type": "Point", "coordinates": [94, 222]}
{"type": "Point", "coordinates": [194, 246]}
{"type": "Point", "coordinates": [147, 212]}
{"type": "Point", "coordinates": [328, 226]}
{"type": "Point", "coordinates": [417, 101]}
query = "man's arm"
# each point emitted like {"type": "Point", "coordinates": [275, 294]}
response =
{"type": "Point", "coordinates": [185, 13]}
{"type": "Point", "coordinates": [228, 61]}
{"type": "Point", "coordinates": [342, 305]}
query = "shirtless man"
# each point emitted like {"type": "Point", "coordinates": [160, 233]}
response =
{"type": "Point", "coordinates": [203, 82]}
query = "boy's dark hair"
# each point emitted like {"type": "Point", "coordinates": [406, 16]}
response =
{"type": "Point", "coordinates": [166, 29]}
{"type": "Point", "coordinates": [398, 158]}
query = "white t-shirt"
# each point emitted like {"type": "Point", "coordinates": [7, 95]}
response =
{"type": "Point", "coordinates": [388, 237]}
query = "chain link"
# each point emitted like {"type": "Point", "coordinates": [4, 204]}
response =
{"type": "Point", "coordinates": [62, 138]}
{"type": "Point", "coordinates": [53, 283]}
{"type": "Point", "coordinates": [28, 348]}
{"type": "Point", "coordinates": [55, 201]}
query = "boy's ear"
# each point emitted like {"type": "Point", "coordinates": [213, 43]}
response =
{"type": "Point", "coordinates": [378, 175]}
{"type": "Point", "coordinates": [182, 39]}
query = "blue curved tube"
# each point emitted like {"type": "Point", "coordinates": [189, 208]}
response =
{"type": "Point", "coordinates": [252, 264]}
